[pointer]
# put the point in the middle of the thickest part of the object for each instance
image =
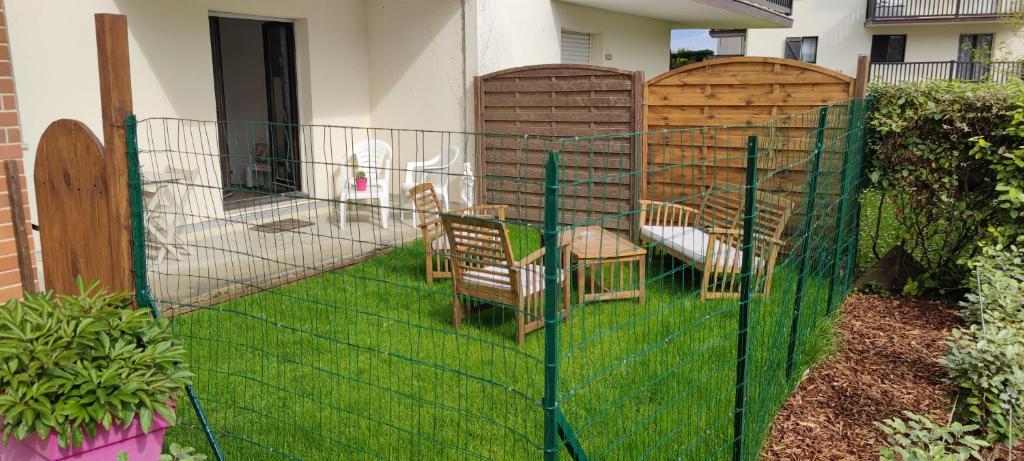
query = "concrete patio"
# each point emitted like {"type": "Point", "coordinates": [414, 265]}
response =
{"type": "Point", "coordinates": [229, 257]}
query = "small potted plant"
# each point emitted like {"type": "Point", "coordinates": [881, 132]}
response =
{"type": "Point", "coordinates": [361, 181]}
{"type": "Point", "coordinates": [86, 377]}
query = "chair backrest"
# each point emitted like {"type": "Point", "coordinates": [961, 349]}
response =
{"type": "Point", "coordinates": [426, 204]}
{"type": "Point", "coordinates": [481, 256]}
{"type": "Point", "coordinates": [724, 203]}
{"type": "Point", "coordinates": [372, 156]}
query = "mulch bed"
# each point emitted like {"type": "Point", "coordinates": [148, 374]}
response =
{"type": "Point", "coordinates": [887, 364]}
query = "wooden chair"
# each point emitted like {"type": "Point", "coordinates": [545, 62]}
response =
{"type": "Point", "coordinates": [484, 271]}
{"type": "Point", "coordinates": [428, 209]}
{"type": "Point", "coordinates": [710, 236]}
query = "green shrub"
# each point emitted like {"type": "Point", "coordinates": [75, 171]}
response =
{"type": "Point", "coordinates": [1007, 161]}
{"type": "Point", "coordinates": [918, 438]}
{"type": "Point", "coordinates": [985, 365]}
{"type": "Point", "coordinates": [923, 141]}
{"type": "Point", "coordinates": [997, 287]}
{"type": "Point", "coordinates": [72, 363]}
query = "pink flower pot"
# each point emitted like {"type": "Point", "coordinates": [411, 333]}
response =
{"type": "Point", "coordinates": [104, 447]}
{"type": "Point", "coordinates": [361, 184]}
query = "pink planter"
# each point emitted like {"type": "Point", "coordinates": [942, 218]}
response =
{"type": "Point", "coordinates": [104, 447]}
{"type": "Point", "coordinates": [361, 184]}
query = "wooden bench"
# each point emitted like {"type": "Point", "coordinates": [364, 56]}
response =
{"type": "Point", "coordinates": [708, 236]}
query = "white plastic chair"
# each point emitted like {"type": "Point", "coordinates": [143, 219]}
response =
{"type": "Point", "coordinates": [372, 157]}
{"type": "Point", "coordinates": [416, 173]}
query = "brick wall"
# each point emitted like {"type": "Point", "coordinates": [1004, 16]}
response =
{"type": "Point", "coordinates": [10, 149]}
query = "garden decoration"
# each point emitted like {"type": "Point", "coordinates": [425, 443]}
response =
{"type": "Point", "coordinates": [361, 181]}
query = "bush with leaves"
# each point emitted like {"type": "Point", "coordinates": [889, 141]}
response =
{"type": "Point", "coordinates": [1006, 154]}
{"type": "Point", "coordinates": [918, 438]}
{"type": "Point", "coordinates": [997, 287]}
{"type": "Point", "coordinates": [986, 365]}
{"type": "Point", "coordinates": [923, 140]}
{"type": "Point", "coordinates": [72, 364]}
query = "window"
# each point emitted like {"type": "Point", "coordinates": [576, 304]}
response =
{"type": "Point", "coordinates": [802, 48]}
{"type": "Point", "coordinates": [888, 48]}
{"type": "Point", "coordinates": [575, 47]}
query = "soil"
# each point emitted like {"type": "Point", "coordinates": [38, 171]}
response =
{"type": "Point", "coordinates": [887, 364]}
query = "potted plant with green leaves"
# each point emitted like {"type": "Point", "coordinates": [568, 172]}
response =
{"type": "Point", "coordinates": [86, 377]}
{"type": "Point", "coordinates": [361, 181]}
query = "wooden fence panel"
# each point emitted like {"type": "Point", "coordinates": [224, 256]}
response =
{"type": "Point", "coordinates": [719, 102]}
{"type": "Point", "coordinates": [551, 101]}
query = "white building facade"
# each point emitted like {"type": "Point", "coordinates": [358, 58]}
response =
{"type": "Point", "coordinates": [369, 63]}
{"type": "Point", "coordinates": [906, 39]}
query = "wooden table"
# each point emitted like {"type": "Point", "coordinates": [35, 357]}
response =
{"type": "Point", "coordinates": [617, 267]}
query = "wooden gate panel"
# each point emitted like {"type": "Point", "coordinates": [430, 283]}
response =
{"type": "Point", "coordinates": [74, 216]}
{"type": "Point", "coordinates": [553, 101]}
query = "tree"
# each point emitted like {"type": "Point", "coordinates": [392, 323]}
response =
{"type": "Point", "coordinates": [682, 57]}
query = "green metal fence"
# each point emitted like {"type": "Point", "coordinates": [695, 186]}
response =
{"type": "Point", "coordinates": [315, 334]}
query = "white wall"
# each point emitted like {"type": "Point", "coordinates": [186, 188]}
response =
{"type": "Point", "coordinates": [842, 36]}
{"type": "Point", "coordinates": [54, 57]}
{"type": "Point", "coordinates": [526, 32]}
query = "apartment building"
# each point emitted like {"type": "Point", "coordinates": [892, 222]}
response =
{"type": "Point", "coordinates": [907, 40]}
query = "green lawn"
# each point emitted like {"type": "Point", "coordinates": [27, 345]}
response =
{"type": "Point", "coordinates": [365, 363]}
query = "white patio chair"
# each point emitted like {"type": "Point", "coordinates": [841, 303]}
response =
{"type": "Point", "coordinates": [417, 172]}
{"type": "Point", "coordinates": [162, 212]}
{"type": "Point", "coordinates": [373, 157]}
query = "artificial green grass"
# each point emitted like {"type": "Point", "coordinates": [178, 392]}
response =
{"type": "Point", "coordinates": [364, 363]}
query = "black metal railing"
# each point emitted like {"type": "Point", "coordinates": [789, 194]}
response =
{"type": "Point", "coordinates": [901, 72]}
{"type": "Point", "coordinates": [936, 9]}
{"type": "Point", "coordinates": [779, 6]}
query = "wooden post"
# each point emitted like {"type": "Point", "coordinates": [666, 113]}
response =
{"type": "Point", "coordinates": [860, 89]}
{"type": "Point", "coordinates": [115, 105]}
{"type": "Point", "coordinates": [21, 232]}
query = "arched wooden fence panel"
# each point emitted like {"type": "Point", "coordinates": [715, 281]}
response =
{"type": "Point", "coordinates": [733, 93]}
{"type": "Point", "coordinates": [74, 213]}
{"type": "Point", "coordinates": [559, 100]}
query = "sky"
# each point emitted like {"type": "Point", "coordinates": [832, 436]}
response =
{"type": "Point", "coordinates": [692, 39]}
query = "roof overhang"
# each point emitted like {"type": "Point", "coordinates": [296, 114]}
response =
{"type": "Point", "coordinates": [697, 14]}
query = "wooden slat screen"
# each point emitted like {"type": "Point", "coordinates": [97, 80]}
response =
{"type": "Point", "coordinates": [560, 100]}
{"type": "Point", "coordinates": [740, 93]}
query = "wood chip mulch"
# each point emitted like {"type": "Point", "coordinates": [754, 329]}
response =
{"type": "Point", "coordinates": [887, 364]}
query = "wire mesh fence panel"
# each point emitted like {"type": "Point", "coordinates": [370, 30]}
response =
{"type": "Point", "coordinates": [343, 293]}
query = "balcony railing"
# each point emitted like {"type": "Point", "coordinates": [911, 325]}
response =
{"type": "Point", "coordinates": [902, 72]}
{"type": "Point", "coordinates": [780, 6]}
{"type": "Point", "coordinates": [941, 9]}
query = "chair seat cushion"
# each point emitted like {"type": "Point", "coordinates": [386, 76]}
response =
{"type": "Point", "coordinates": [693, 244]}
{"type": "Point", "coordinates": [440, 244]}
{"type": "Point", "coordinates": [531, 278]}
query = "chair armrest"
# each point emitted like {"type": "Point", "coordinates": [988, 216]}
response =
{"type": "Point", "coordinates": [530, 258]}
{"type": "Point", "coordinates": [654, 213]}
{"type": "Point", "coordinates": [723, 231]}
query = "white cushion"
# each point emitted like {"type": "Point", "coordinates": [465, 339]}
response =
{"type": "Point", "coordinates": [693, 243]}
{"type": "Point", "coordinates": [531, 278]}
{"type": "Point", "coordinates": [440, 244]}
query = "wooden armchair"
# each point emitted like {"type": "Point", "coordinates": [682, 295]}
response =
{"type": "Point", "coordinates": [484, 271]}
{"type": "Point", "coordinates": [428, 211]}
{"type": "Point", "coordinates": [709, 237]}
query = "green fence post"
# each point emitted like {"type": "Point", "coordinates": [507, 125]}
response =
{"type": "Point", "coordinates": [851, 125]}
{"type": "Point", "coordinates": [745, 282]}
{"type": "Point", "coordinates": [143, 297]}
{"type": "Point", "coordinates": [805, 241]}
{"type": "Point", "coordinates": [551, 317]}
{"type": "Point", "coordinates": [862, 146]}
